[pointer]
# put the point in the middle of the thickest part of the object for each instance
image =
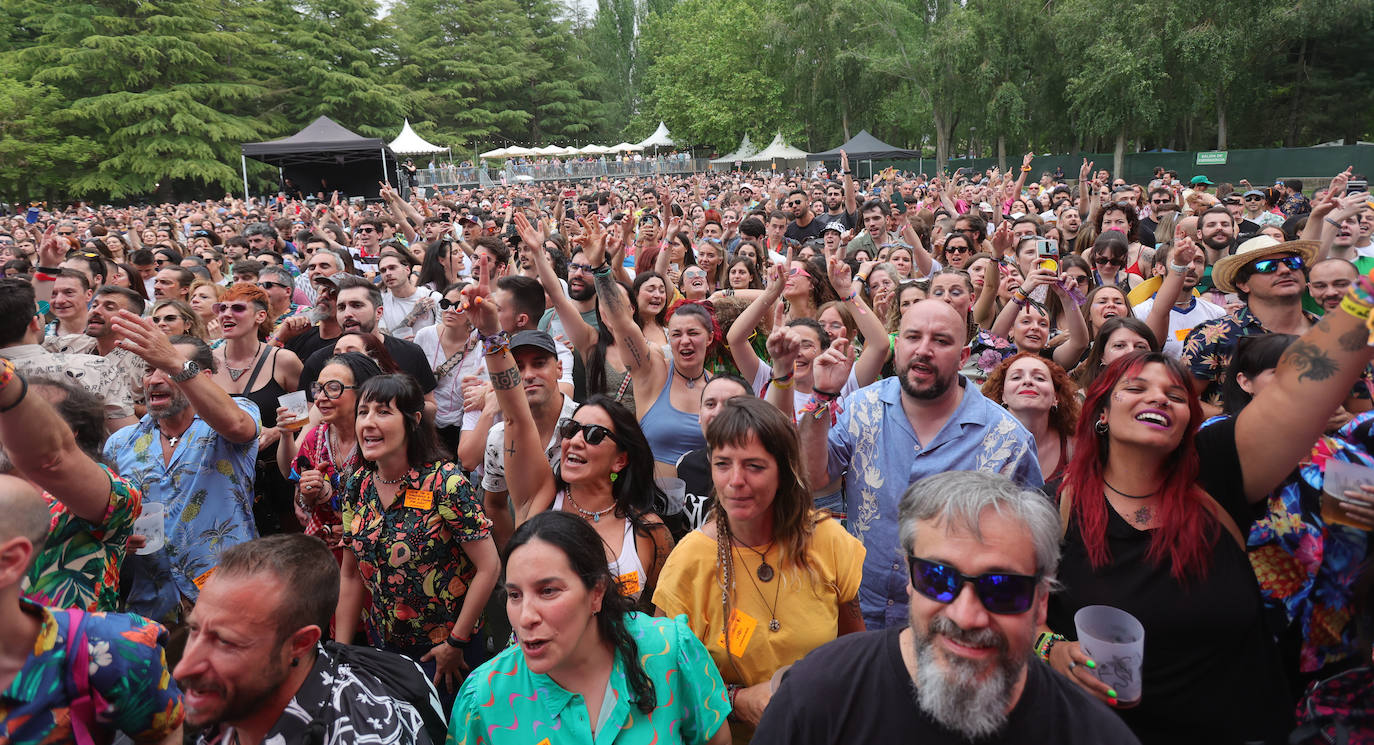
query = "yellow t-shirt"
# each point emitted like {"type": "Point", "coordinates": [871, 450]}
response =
{"type": "Point", "coordinates": [807, 612]}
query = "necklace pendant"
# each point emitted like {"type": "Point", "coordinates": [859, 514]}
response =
{"type": "Point", "coordinates": [235, 373]}
{"type": "Point", "coordinates": [691, 383]}
{"type": "Point", "coordinates": [773, 625]}
{"type": "Point", "coordinates": [596, 517]}
{"type": "Point", "coordinates": [765, 573]}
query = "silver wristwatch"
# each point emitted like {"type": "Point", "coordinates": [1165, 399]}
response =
{"type": "Point", "coordinates": [188, 370]}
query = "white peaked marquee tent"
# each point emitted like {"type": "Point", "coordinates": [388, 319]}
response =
{"type": "Point", "coordinates": [745, 150]}
{"type": "Point", "coordinates": [660, 138]}
{"type": "Point", "coordinates": [409, 143]}
{"type": "Point", "coordinates": [778, 149]}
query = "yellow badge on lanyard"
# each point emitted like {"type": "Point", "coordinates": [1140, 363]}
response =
{"type": "Point", "coordinates": [741, 627]}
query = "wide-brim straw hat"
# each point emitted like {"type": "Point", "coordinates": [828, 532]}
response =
{"type": "Point", "coordinates": [1257, 249]}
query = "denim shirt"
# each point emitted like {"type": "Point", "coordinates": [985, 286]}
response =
{"type": "Point", "coordinates": [873, 445]}
{"type": "Point", "coordinates": [206, 491]}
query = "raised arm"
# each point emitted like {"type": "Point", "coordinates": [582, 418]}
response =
{"type": "Point", "coordinates": [829, 371]}
{"type": "Point", "coordinates": [985, 305]}
{"type": "Point", "coordinates": [529, 477]}
{"type": "Point", "coordinates": [919, 255]}
{"type": "Point", "coordinates": [403, 212]}
{"type": "Point", "coordinates": [851, 201]}
{"type": "Point", "coordinates": [1184, 252]}
{"type": "Point", "coordinates": [618, 314]}
{"type": "Point", "coordinates": [580, 333]}
{"type": "Point", "coordinates": [1084, 202]}
{"type": "Point", "coordinates": [1067, 354]}
{"type": "Point", "coordinates": [870, 363]}
{"type": "Point", "coordinates": [1314, 376]}
{"type": "Point", "coordinates": [42, 447]}
{"type": "Point", "coordinates": [210, 402]}
{"type": "Point", "coordinates": [737, 337]}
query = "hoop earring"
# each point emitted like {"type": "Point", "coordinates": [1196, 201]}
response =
{"type": "Point", "coordinates": [1100, 427]}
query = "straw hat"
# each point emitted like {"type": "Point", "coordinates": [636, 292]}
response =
{"type": "Point", "coordinates": [1256, 249]}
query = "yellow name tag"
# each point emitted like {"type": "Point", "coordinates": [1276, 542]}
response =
{"type": "Point", "coordinates": [420, 500]}
{"type": "Point", "coordinates": [1181, 334]}
{"type": "Point", "coordinates": [200, 581]}
{"type": "Point", "coordinates": [629, 582]}
{"type": "Point", "coordinates": [741, 629]}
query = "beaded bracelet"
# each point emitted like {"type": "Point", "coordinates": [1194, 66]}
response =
{"type": "Point", "coordinates": [1045, 642]}
{"type": "Point", "coordinates": [851, 296]}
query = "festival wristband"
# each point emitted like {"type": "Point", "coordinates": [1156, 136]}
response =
{"type": "Point", "coordinates": [1356, 308]}
{"type": "Point", "coordinates": [827, 395]}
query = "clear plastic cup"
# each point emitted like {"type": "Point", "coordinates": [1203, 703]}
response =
{"type": "Point", "coordinates": [1339, 477]}
{"type": "Point", "coordinates": [150, 525]}
{"type": "Point", "coordinates": [1115, 640]}
{"type": "Point", "coordinates": [299, 408]}
{"type": "Point", "coordinates": [676, 489]}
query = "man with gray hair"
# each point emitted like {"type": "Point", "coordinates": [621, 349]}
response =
{"type": "Point", "coordinates": [982, 553]}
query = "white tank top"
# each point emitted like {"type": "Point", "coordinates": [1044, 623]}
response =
{"type": "Point", "coordinates": [627, 567]}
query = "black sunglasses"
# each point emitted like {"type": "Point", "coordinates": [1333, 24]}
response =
{"type": "Point", "coordinates": [1000, 592]}
{"type": "Point", "coordinates": [594, 434]}
{"type": "Point", "coordinates": [269, 285]}
{"type": "Point", "coordinates": [445, 304]}
{"type": "Point", "coordinates": [331, 390]}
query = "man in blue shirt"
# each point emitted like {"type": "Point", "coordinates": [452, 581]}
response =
{"type": "Point", "coordinates": [925, 420]}
{"type": "Point", "coordinates": [194, 453]}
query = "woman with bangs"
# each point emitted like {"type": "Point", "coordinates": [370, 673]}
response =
{"type": "Point", "coordinates": [248, 367]}
{"type": "Point", "coordinates": [1044, 399]}
{"type": "Point", "coordinates": [605, 471]}
{"type": "Point", "coordinates": [415, 538]}
{"type": "Point", "coordinates": [1121, 218]}
{"type": "Point", "coordinates": [1154, 514]}
{"type": "Point", "coordinates": [784, 576]}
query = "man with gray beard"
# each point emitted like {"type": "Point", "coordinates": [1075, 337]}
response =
{"type": "Point", "coordinates": [982, 553]}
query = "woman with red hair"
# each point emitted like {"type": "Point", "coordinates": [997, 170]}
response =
{"type": "Point", "coordinates": [1154, 517]}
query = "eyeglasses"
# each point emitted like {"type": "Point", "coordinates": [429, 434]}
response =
{"type": "Point", "coordinates": [68, 232]}
{"type": "Point", "coordinates": [575, 267]}
{"type": "Point", "coordinates": [958, 250]}
{"type": "Point", "coordinates": [1082, 279]}
{"type": "Point", "coordinates": [1161, 201]}
{"type": "Point", "coordinates": [594, 434]}
{"type": "Point", "coordinates": [1269, 266]}
{"type": "Point", "coordinates": [269, 285]}
{"type": "Point", "coordinates": [446, 304]}
{"type": "Point", "coordinates": [331, 390]}
{"type": "Point", "coordinates": [1001, 593]}
{"type": "Point", "coordinates": [1254, 199]}
{"type": "Point", "coordinates": [795, 202]}
{"type": "Point", "coordinates": [365, 230]}
{"type": "Point", "coordinates": [237, 309]}
{"type": "Point", "coordinates": [1108, 261]}
{"type": "Point", "coordinates": [167, 319]}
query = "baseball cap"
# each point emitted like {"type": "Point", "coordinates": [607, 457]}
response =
{"type": "Point", "coordinates": [1201, 180]}
{"type": "Point", "coordinates": [533, 338]}
{"type": "Point", "coordinates": [834, 225]}
{"type": "Point", "coordinates": [1253, 193]}
{"type": "Point", "coordinates": [468, 219]}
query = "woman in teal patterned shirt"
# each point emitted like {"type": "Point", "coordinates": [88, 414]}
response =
{"type": "Point", "coordinates": [586, 670]}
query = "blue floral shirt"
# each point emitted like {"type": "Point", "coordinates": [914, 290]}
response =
{"type": "Point", "coordinates": [127, 680]}
{"type": "Point", "coordinates": [207, 495]}
{"type": "Point", "coordinates": [873, 446]}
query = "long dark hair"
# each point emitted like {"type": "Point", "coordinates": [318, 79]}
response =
{"type": "Point", "coordinates": [580, 544]}
{"type": "Point", "coordinates": [634, 489]}
{"type": "Point", "coordinates": [640, 280]}
{"type": "Point", "coordinates": [1092, 366]}
{"type": "Point", "coordinates": [360, 366]}
{"type": "Point", "coordinates": [1254, 355]}
{"type": "Point", "coordinates": [432, 273]}
{"type": "Point", "coordinates": [402, 392]}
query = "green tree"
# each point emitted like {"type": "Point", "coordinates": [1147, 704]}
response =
{"type": "Point", "coordinates": [145, 84]}
{"type": "Point", "coordinates": [613, 45]}
{"type": "Point", "coordinates": [35, 155]}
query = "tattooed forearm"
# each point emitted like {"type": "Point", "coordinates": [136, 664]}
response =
{"type": "Point", "coordinates": [505, 380]}
{"type": "Point", "coordinates": [608, 292]}
{"type": "Point", "coordinates": [1311, 361]}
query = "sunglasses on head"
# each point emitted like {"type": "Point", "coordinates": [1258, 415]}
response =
{"type": "Point", "coordinates": [237, 309]}
{"type": "Point", "coordinates": [594, 434]}
{"type": "Point", "coordinates": [999, 592]}
{"type": "Point", "coordinates": [331, 389]}
{"type": "Point", "coordinates": [1269, 266]}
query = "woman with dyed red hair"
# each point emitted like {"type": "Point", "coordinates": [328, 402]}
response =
{"type": "Point", "coordinates": [1154, 518]}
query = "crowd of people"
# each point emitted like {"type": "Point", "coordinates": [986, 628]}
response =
{"type": "Point", "coordinates": [781, 458]}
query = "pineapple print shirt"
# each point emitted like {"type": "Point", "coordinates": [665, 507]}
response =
{"type": "Point", "coordinates": [206, 491]}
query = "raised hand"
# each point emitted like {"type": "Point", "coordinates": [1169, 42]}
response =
{"type": "Point", "coordinates": [592, 241]}
{"type": "Point", "coordinates": [1085, 170]}
{"type": "Point", "coordinates": [1026, 159]}
{"type": "Point", "coordinates": [1003, 240]}
{"type": "Point", "coordinates": [830, 369]}
{"type": "Point", "coordinates": [477, 299]}
{"type": "Point", "coordinates": [529, 234]}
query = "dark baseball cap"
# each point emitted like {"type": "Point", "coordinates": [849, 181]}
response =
{"type": "Point", "coordinates": [533, 338]}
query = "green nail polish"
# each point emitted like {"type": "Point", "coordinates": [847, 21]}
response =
{"type": "Point", "coordinates": [1090, 665]}
{"type": "Point", "coordinates": [1111, 692]}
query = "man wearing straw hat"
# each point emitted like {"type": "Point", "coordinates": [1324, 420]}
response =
{"type": "Point", "coordinates": [1270, 278]}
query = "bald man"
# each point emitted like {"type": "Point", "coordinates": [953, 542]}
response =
{"type": "Point", "coordinates": [924, 420]}
{"type": "Point", "coordinates": [119, 658]}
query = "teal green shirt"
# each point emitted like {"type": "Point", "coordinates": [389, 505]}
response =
{"type": "Point", "coordinates": [503, 702]}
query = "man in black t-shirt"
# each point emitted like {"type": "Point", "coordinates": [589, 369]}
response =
{"type": "Point", "coordinates": [359, 309]}
{"type": "Point", "coordinates": [804, 225]}
{"type": "Point", "coordinates": [984, 553]}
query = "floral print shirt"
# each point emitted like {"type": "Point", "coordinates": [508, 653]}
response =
{"type": "Point", "coordinates": [410, 555]}
{"type": "Point", "coordinates": [79, 564]}
{"type": "Point", "coordinates": [126, 677]}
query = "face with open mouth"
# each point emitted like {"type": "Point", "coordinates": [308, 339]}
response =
{"type": "Point", "coordinates": [1106, 303]}
{"type": "Point", "coordinates": [583, 461]}
{"type": "Point", "coordinates": [690, 340]}
{"type": "Point", "coordinates": [1149, 407]}
{"type": "Point", "coordinates": [381, 430]}
{"type": "Point", "coordinates": [550, 609]}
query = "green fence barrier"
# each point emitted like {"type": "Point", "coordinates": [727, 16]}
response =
{"type": "Point", "coordinates": [1261, 167]}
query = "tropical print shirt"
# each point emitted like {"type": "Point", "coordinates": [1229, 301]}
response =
{"type": "Point", "coordinates": [114, 661]}
{"type": "Point", "coordinates": [206, 492]}
{"type": "Point", "coordinates": [79, 564]}
{"type": "Point", "coordinates": [503, 701]}
{"type": "Point", "coordinates": [410, 554]}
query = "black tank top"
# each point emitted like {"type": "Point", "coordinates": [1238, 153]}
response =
{"type": "Point", "coordinates": [266, 396]}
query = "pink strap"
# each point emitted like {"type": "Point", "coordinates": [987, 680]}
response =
{"type": "Point", "coordinates": [82, 706]}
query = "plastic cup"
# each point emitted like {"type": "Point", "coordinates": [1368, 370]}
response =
{"type": "Point", "coordinates": [1339, 477]}
{"type": "Point", "coordinates": [1115, 640]}
{"type": "Point", "coordinates": [299, 408]}
{"type": "Point", "coordinates": [150, 526]}
{"type": "Point", "coordinates": [676, 489]}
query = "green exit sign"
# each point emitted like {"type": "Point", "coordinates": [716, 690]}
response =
{"type": "Point", "coordinates": [1212, 158]}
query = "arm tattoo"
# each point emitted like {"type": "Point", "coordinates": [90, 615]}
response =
{"type": "Point", "coordinates": [1311, 361]}
{"type": "Point", "coordinates": [505, 379]}
{"type": "Point", "coordinates": [609, 293]}
{"type": "Point", "coordinates": [1354, 340]}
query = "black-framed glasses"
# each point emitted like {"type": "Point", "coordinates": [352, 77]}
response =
{"type": "Point", "coordinates": [594, 434]}
{"type": "Point", "coordinates": [1269, 266]}
{"type": "Point", "coordinates": [1002, 593]}
{"type": "Point", "coordinates": [365, 230]}
{"type": "Point", "coordinates": [1161, 201]}
{"type": "Point", "coordinates": [331, 389]}
{"type": "Point", "coordinates": [958, 250]}
{"type": "Point", "coordinates": [576, 267]}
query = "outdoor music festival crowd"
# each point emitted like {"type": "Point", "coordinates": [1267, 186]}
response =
{"type": "Point", "coordinates": [724, 457]}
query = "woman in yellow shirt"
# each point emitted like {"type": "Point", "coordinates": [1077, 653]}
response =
{"type": "Point", "coordinates": [786, 576]}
